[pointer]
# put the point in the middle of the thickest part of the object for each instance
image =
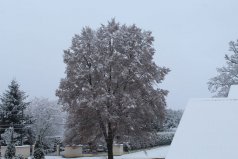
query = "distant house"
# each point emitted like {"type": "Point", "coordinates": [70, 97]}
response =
{"type": "Point", "coordinates": [208, 129]}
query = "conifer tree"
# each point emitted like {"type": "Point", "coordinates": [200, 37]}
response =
{"type": "Point", "coordinates": [38, 150]}
{"type": "Point", "coordinates": [11, 150]}
{"type": "Point", "coordinates": [12, 106]}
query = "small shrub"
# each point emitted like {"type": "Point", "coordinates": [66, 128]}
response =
{"type": "Point", "coordinates": [10, 151]}
{"type": "Point", "coordinates": [160, 139]}
{"type": "Point", "coordinates": [39, 153]}
{"type": "Point", "coordinates": [165, 138]}
{"type": "Point", "coordinates": [19, 156]}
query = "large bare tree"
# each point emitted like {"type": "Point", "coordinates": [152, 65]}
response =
{"type": "Point", "coordinates": [111, 84]}
{"type": "Point", "coordinates": [227, 75]}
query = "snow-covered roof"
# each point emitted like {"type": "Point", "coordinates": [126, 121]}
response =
{"type": "Point", "coordinates": [207, 130]}
{"type": "Point", "coordinates": [233, 92]}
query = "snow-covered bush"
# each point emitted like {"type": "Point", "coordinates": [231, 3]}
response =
{"type": "Point", "coordinates": [10, 151]}
{"type": "Point", "coordinates": [171, 119]}
{"type": "Point", "coordinates": [19, 156]}
{"type": "Point", "coordinates": [165, 138]}
{"type": "Point", "coordinates": [159, 139]}
{"type": "Point", "coordinates": [38, 151]}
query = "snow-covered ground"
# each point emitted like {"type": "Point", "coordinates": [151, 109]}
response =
{"type": "Point", "coordinates": [159, 152]}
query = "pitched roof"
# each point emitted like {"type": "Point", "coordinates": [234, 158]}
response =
{"type": "Point", "coordinates": [207, 130]}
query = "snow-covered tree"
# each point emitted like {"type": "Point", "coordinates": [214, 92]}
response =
{"type": "Point", "coordinates": [38, 150]}
{"type": "Point", "coordinates": [10, 150]}
{"type": "Point", "coordinates": [9, 135]}
{"type": "Point", "coordinates": [227, 75]}
{"type": "Point", "coordinates": [110, 89]}
{"type": "Point", "coordinates": [47, 117]}
{"type": "Point", "coordinates": [12, 106]}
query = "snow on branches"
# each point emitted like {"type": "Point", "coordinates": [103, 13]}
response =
{"type": "Point", "coordinates": [109, 88]}
{"type": "Point", "coordinates": [227, 75]}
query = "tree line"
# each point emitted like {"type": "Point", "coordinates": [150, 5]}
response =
{"type": "Point", "coordinates": [28, 118]}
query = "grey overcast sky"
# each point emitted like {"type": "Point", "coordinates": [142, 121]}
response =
{"type": "Point", "coordinates": [191, 38]}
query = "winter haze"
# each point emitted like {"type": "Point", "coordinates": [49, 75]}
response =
{"type": "Point", "coordinates": [191, 38]}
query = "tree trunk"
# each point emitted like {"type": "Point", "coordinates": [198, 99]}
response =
{"type": "Point", "coordinates": [110, 149]}
{"type": "Point", "coordinates": [110, 142]}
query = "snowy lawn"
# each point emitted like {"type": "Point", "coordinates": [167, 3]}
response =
{"type": "Point", "coordinates": [159, 152]}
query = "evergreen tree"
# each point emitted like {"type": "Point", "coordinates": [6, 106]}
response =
{"type": "Point", "coordinates": [12, 106]}
{"type": "Point", "coordinates": [11, 150]}
{"type": "Point", "coordinates": [38, 150]}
